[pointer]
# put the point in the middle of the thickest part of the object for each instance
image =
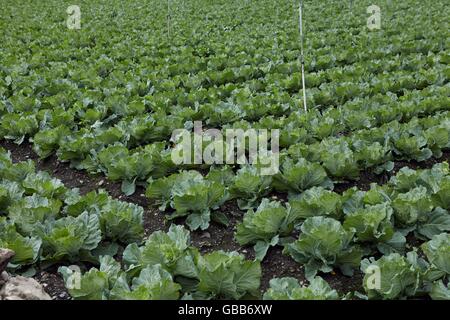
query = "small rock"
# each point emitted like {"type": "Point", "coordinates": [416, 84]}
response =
{"type": "Point", "coordinates": [206, 235]}
{"type": "Point", "coordinates": [204, 244]}
{"type": "Point", "coordinates": [5, 257]}
{"type": "Point", "coordinates": [21, 288]}
{"type": "Point", "coordinates": [4, 277]}
{"type": "Point", "coordinates": [244, 251]}
{"type": "Point", "coordinates": [81, 181]}
{"type": "Point", "coordinates": [62, 295]}
{"type": "Point", "coordinates": [101, 182]}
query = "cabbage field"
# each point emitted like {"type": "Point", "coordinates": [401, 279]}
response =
{"type": "Point", "coordinates": [119, 179]}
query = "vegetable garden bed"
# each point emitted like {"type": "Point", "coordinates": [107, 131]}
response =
{"type": "Point", "coordinates": [95, 208]}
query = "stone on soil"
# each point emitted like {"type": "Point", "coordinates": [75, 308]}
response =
{"type": "Point", "coordinates": [21, 288]}
{"type": "Point", "coordinates": [18, 288]}
{"type": "Point", "coordinates": [5, 257]}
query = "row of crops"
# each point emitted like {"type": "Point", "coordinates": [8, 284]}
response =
{"type": "Point", "coordinates": [47, 223]}
{"type": "Point", "coordinates": [107, 98]}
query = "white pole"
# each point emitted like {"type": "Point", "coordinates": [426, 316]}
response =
{"type": "Point", "coordinates": [300, 11]}
{"type": "Point", "coordinates": [389, 7]}
{"type": "Point", "coordinates": [168, 18]}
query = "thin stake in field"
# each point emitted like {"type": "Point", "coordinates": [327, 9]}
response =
{"type": "Point", "coordinates": [168, 18]}
{"type": "Point", "coordinates": [300, 15]}
{"type": "Point", "coordinates": [390, 10]}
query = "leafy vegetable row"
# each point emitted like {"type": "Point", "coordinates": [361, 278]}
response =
{"type": "Point", "coordinates": [168, 267]}
{"type": "Point", "coordinates": [88, 149]}
{"type": "Point", "coordinates": [337, 230]}
{"type": "Point", "coordinates": [44, 222]}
